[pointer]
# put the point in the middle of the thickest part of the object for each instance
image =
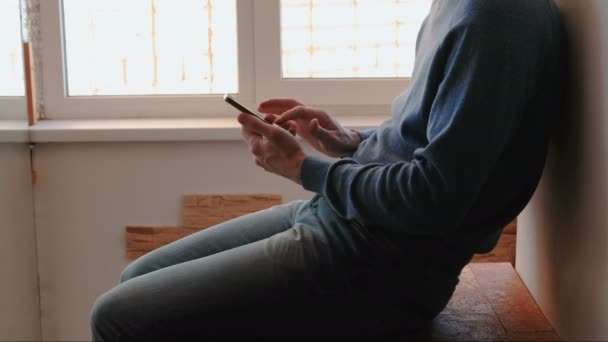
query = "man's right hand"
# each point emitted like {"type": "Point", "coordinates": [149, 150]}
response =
{"type": "Point", "coordinates": [315, 126]}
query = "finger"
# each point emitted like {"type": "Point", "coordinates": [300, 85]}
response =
{"type": "Point", "coordinates": [318, 131]}
{"type": "Point", "coordinates": [293, 127]}
{"type": "Point", "coordinates": [261, 164]}
{"type": "Point", "coordinates": [249, 137]}
{"type": "Point", "coordinates": [270, 117]}
{"type": "Point", "coordinates": [257, 126]}
{"type": "Point", "coordinates": [299, 113]}
{"type": "Point", "coordinates": [278, 105]}
{"type": "Point", "coordinates": [289, 126]}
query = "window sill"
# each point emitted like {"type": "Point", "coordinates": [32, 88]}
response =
{"type": "Point", "coordinates": [14, 131]}
{"type": "Point", "coordinates": [155, 130]}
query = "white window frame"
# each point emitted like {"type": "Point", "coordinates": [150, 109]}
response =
{"type": "Point", "coordinates": [260, 77]}
{"type": "Point", "coordinates": [13, 108]}
{"type": "Point", "coordinates": [60, 106]}
{"type": "Point", "coordinates": [344, 95]}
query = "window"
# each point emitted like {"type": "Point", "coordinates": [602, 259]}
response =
{"type": "Point", "coordinates": [147, 47]}
{"type": "Point", "coordinates": [145, 58]}
{"type": "Point", "coordinates": [12, 87]}
{"type": "Point", "coordinates": [167, 58]}
{"type": "Point", "coordinates": [349, 39]}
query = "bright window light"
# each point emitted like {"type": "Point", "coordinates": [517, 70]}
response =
{"type": "Point", "coordinates": [150, 47]}
{"type": "Point", "coordinates": [350, 38]}
{"type": "Point", "coordinates": [11, 58]}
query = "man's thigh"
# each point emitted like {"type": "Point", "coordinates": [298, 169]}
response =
{"type": "Point", "coordinates": [230, 234]}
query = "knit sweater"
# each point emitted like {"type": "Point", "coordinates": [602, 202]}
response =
{"type": "Point", "coordinates": [465, 146]}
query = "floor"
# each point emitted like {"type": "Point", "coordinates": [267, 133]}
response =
{"type": "Point", "coordinates": [491, 303]}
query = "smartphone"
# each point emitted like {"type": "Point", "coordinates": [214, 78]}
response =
{"type": "Point", "coordinates": [242, 108]}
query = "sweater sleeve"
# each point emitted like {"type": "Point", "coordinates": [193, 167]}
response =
{"type": "Point", "coordinates": [477, 107]}
{"type": "Point", "coordinates": [366, 133]}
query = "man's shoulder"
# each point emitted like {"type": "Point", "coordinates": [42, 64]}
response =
{"type": "Point", "coordinates": [506, 17]}
{"type": "Point", "coordinates": [481, 8]}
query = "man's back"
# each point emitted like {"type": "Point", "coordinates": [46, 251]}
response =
{"type": "Point", "coordinates": [466, 144]}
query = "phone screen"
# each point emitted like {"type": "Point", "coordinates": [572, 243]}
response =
{"type": "Point", "coordinates": [242, 108]}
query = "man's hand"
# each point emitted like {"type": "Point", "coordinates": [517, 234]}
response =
{"type": "Point", "coordinates": [273, 148]}
{"type": "Point", "coordinates": [315, 126]}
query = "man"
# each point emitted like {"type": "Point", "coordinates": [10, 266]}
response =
{"type": "Point", "coordinates": [396, 217]}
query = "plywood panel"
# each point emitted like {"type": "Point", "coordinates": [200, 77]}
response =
{"type": "Point", "coordinates": [503, 252]}
{"type": "Point", "coordinates": [141, 240]}
{"type": "Point", "coordinates": [198, 212]}
{"type": "Point", "coordinates": [509, 298]}
{"type": "Point", "coordinates": [203, 211]}
{"type": "Point", "coordinates": [505, 248]}
{"type": "Point", "coordinates": [487, 306]}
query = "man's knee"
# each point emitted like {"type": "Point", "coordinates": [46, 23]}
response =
{"type": "Point", "coordinates": [104, 317]}
{"type": "Point", "coordinates": [130, 272]}
{"type": "Point", "coordinates": [138, 267]}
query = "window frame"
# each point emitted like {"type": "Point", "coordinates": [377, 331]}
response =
{"type": "Point", "coordinates": [359, 96]}
{"type": "Point", "coordinates": [13, 108]}
{"type": "Point", "coordinates": [58, 105]}
{"type": "Point", "coordinates": [260, 77]}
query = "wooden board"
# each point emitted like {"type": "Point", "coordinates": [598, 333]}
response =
{"type": "Point", "coordinates": [203, 211]}
{"type": "Point", "coordinates": [490, 303]}
{"type": "Point", "coordinates": [198, 212]}
{"type": "Point", "coordinates": [504, 250]}
{"type": "Point", "coordinates": [141, 240]}
{"type": "Point", "coordinates": [510, 298]}
{"type": "Point", "coordinates": [30, 84]}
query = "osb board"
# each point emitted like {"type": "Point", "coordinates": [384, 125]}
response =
{"type": "Point", "coordinates": [504, 250]}
{"type": "Point", "coordinates": [203, 211]}
{"type": "Point", "coordinates": [490, 303]}
{"type": "Point", "coordinates": [141, 240]}
{"type": "Point", "coordinates": [198, 212]}
{"type": "Point", "coordinates": [511, 228]}
{"type": "Point", "coordinates": [510, 298]}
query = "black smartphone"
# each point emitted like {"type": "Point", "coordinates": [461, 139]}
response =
{"type": "Point", "coordinates": [242, 108]}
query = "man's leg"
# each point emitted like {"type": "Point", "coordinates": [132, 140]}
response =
{"type": "Point", "coordinates": [321, 277]}
{"type": "Point", "coordinates": [281, 286]}
{"type": "Point", "coordinates": [230, 234]}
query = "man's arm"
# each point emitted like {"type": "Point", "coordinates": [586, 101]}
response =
{"type": "Point", "coordinates": [488, 78]}
{"type": "Point", "coordinates": [366, 133]}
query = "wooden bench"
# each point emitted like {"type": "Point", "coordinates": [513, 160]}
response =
{"type": "Point", "coordinates": [491, 303]}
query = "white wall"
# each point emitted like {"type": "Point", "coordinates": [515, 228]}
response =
{"type": "Point", "coordinates": [19, 308]}
{"type": "Point", "coordinates": [88, 193]}
{"type": "Point", "coordinates": [562, 241]}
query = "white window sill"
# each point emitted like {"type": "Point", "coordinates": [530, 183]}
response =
{"type": "Point", "coordinates": [153, 130]}
{"type": "Point", "coordinates": [14, 131]}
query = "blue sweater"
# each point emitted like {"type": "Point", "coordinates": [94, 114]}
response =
{"type": "Point", "coordinates": [465, 146]}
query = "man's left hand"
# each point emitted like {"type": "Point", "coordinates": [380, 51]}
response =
{"type": "Point", "coordinates": [273, 148]}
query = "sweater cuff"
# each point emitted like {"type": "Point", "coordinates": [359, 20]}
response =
{"type": "Point", "coordinates": [313, 174]}
{"type": "Point", "coordinates": [364, 134]}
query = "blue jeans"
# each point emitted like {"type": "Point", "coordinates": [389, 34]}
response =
{"type": "Point", "coordinates": [292, 270]}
